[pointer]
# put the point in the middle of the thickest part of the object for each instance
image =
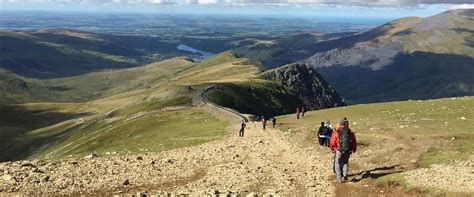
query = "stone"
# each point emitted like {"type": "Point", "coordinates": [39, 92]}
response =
{"type": "Point", "coordinates": [91, 156]}
{"type": "Point", "coordinates": [63, 185]}
{"type": "Point", "coordinates": [8, 178]}
{"type": "Point", "coordinates": [139, 158]}
{"type": "Point", "coordinates": [28, 165]}
{"type": "Point", "coordinates": [126, 182]}
{"type": "Point", "coordinates": [45, 179]}
{"type": "Point", "coordinates": [37, 170]}
{"type": "Point", "coordinates": [252, 194]}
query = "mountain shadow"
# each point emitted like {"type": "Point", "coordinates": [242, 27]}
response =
{"type": "Point", "coordinates": [419, 75]}
{"type": "Point", "coordinates": [17, 122]}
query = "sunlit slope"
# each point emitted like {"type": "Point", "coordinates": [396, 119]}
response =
{"type": "Point", "coordinates": [225, 67]}
{"type": "Point", "coordinates": [18, 89]}
{"type": "Point", "coordinates": [415, 145]}
{"type": "Point", "coordinates": [441, 128]}
{"type": "Point", "coordinates": [148, 108]}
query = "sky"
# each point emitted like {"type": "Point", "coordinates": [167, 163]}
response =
{"type": "Point", "coordinates": [385, 9]}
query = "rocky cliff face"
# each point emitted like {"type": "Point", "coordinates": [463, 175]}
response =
{"type": "Point", "coordinates": [307, 84]}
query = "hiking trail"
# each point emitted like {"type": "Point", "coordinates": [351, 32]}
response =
{"type": "Point", "coordinates": [263, 162]}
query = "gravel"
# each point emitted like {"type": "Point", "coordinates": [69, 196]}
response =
{"type": "Point", "coordinates": [455, 177]}
{"type": "Point", "coordinates": [262, 162]}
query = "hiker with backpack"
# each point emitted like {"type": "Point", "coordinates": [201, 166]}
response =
{"type": "Point", "coordinates": [322, 134]}
{"type": "Point", "coordinates": [242, 129]}
{"type": "Point", "coordinates": [274, 121]}
{"type": "Point", "coordinates": [264, 122]}
{"type": "Point", "coordinates": [327, 134]}
{"type": "Point", "coordinates": [329, 142]}
{"type": "Point", "coordinates": [343, 144]}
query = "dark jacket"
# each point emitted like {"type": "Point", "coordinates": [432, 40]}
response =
{"type": "Point", "coordinates": [335, 140]}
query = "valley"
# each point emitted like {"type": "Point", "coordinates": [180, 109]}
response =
{"type": "Point", "coordinates": [150, 100]}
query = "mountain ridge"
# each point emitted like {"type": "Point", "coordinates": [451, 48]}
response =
{"type": "Point", "coordinates": [400, 55]}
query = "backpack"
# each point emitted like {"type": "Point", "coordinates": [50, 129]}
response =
{"type": "Point", "coordinates": [345, 140]}
{"type": "Point", "coordinates": [327, 130]}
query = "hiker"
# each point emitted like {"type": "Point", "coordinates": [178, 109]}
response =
{"type": "Point", "coordinates": [328, 124]}
{"type": "Point", "coordinates": [264, 122]}
{"type": "Point", "coordinates": [327, 135]}
{"type": "Point", "coordinates": [343, 143]}
{"type": "Point", "coordinates": [321, 134]}
{"type": "Point", "coordinates": [274, 121]}
{"type": "Point", "coordinates": [297, 113]}
{"type": "Point", "coordinates": [242, 129]}
{"type": "Point", "coordinates": [302, 112]}
{"type": "Point", "coordinates": [332, 131]}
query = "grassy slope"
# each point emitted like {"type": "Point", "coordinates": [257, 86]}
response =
{"type": "Point", "coordinates": [256, 97]}
{"type": "Point", "coordinates": [406, 119]}
{"type": "Point", "coordinates": [149, 109]}
{"type": "Point", "coordinates": [432, 120]}
{"type": "Point", "coordinates": [284, 50]}
{"type": "Point", "coordinates": [446, 33]}
{"type": "Point", "coordinates": [86, 87]}
{"type": "Point", "coordinates": [52, 55]}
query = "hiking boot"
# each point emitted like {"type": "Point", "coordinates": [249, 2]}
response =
{"type": "Point", "coordinates": [339, 180]}
{"type": "Point", "coordinates": [345, 178]}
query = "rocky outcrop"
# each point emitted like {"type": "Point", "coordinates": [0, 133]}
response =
{"type": "Point", "coordinates": [307, 84]}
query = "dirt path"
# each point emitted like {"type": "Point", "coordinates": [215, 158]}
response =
{"type": "Point", "coordinates": [265, 162]}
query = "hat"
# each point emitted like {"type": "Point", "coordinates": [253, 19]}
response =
{"type": "Point", "coordinates": [344, 120]}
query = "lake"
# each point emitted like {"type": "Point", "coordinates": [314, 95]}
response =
{"type": "Point", "coordinates": [203, 54]}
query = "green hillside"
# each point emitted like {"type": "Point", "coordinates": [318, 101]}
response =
{"type": "Point", "coordinates": [407, 134]}
{"type": "Point", "coordinates": [54, 53]}
{"type": "Point", "coordinates": [141, 109]}
{"type": "Point", "coordinates": [86, 87]}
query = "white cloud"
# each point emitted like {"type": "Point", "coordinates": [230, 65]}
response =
{"type": "Point", "coordinates": [462, 6]}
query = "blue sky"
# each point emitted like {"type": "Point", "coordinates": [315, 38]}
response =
{"type": "Point", "coordinates": [381, 9]}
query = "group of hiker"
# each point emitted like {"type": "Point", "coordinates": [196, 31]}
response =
{"type": "Point", "coordinates": [324, 133]}
{"type": "Point", "coordinates": [340, 139]}
{"type": "Point", "coordinates": [264, 125]}
{"type": "Point", "coordinates": [342, 142]}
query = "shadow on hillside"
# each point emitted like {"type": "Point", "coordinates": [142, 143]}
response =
{"type": "Point", "coordinates": [374, 173]}
{"type": "Point", "coordinates": [470, 39]}
{"type": "Point", "coordinates": [468, 12]}
{"type": "Point", "coordinates": [431, 75]}
{"type": "Point", "coordinates": [282, 55]}
{"type": "Point", "coordinates": [15, 124]}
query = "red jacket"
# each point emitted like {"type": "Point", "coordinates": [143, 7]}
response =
{"type": "Point", "coordinates": [335, 140]}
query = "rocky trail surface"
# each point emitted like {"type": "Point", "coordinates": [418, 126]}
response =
{"type": "Point", "coordinates": [262, 162]}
